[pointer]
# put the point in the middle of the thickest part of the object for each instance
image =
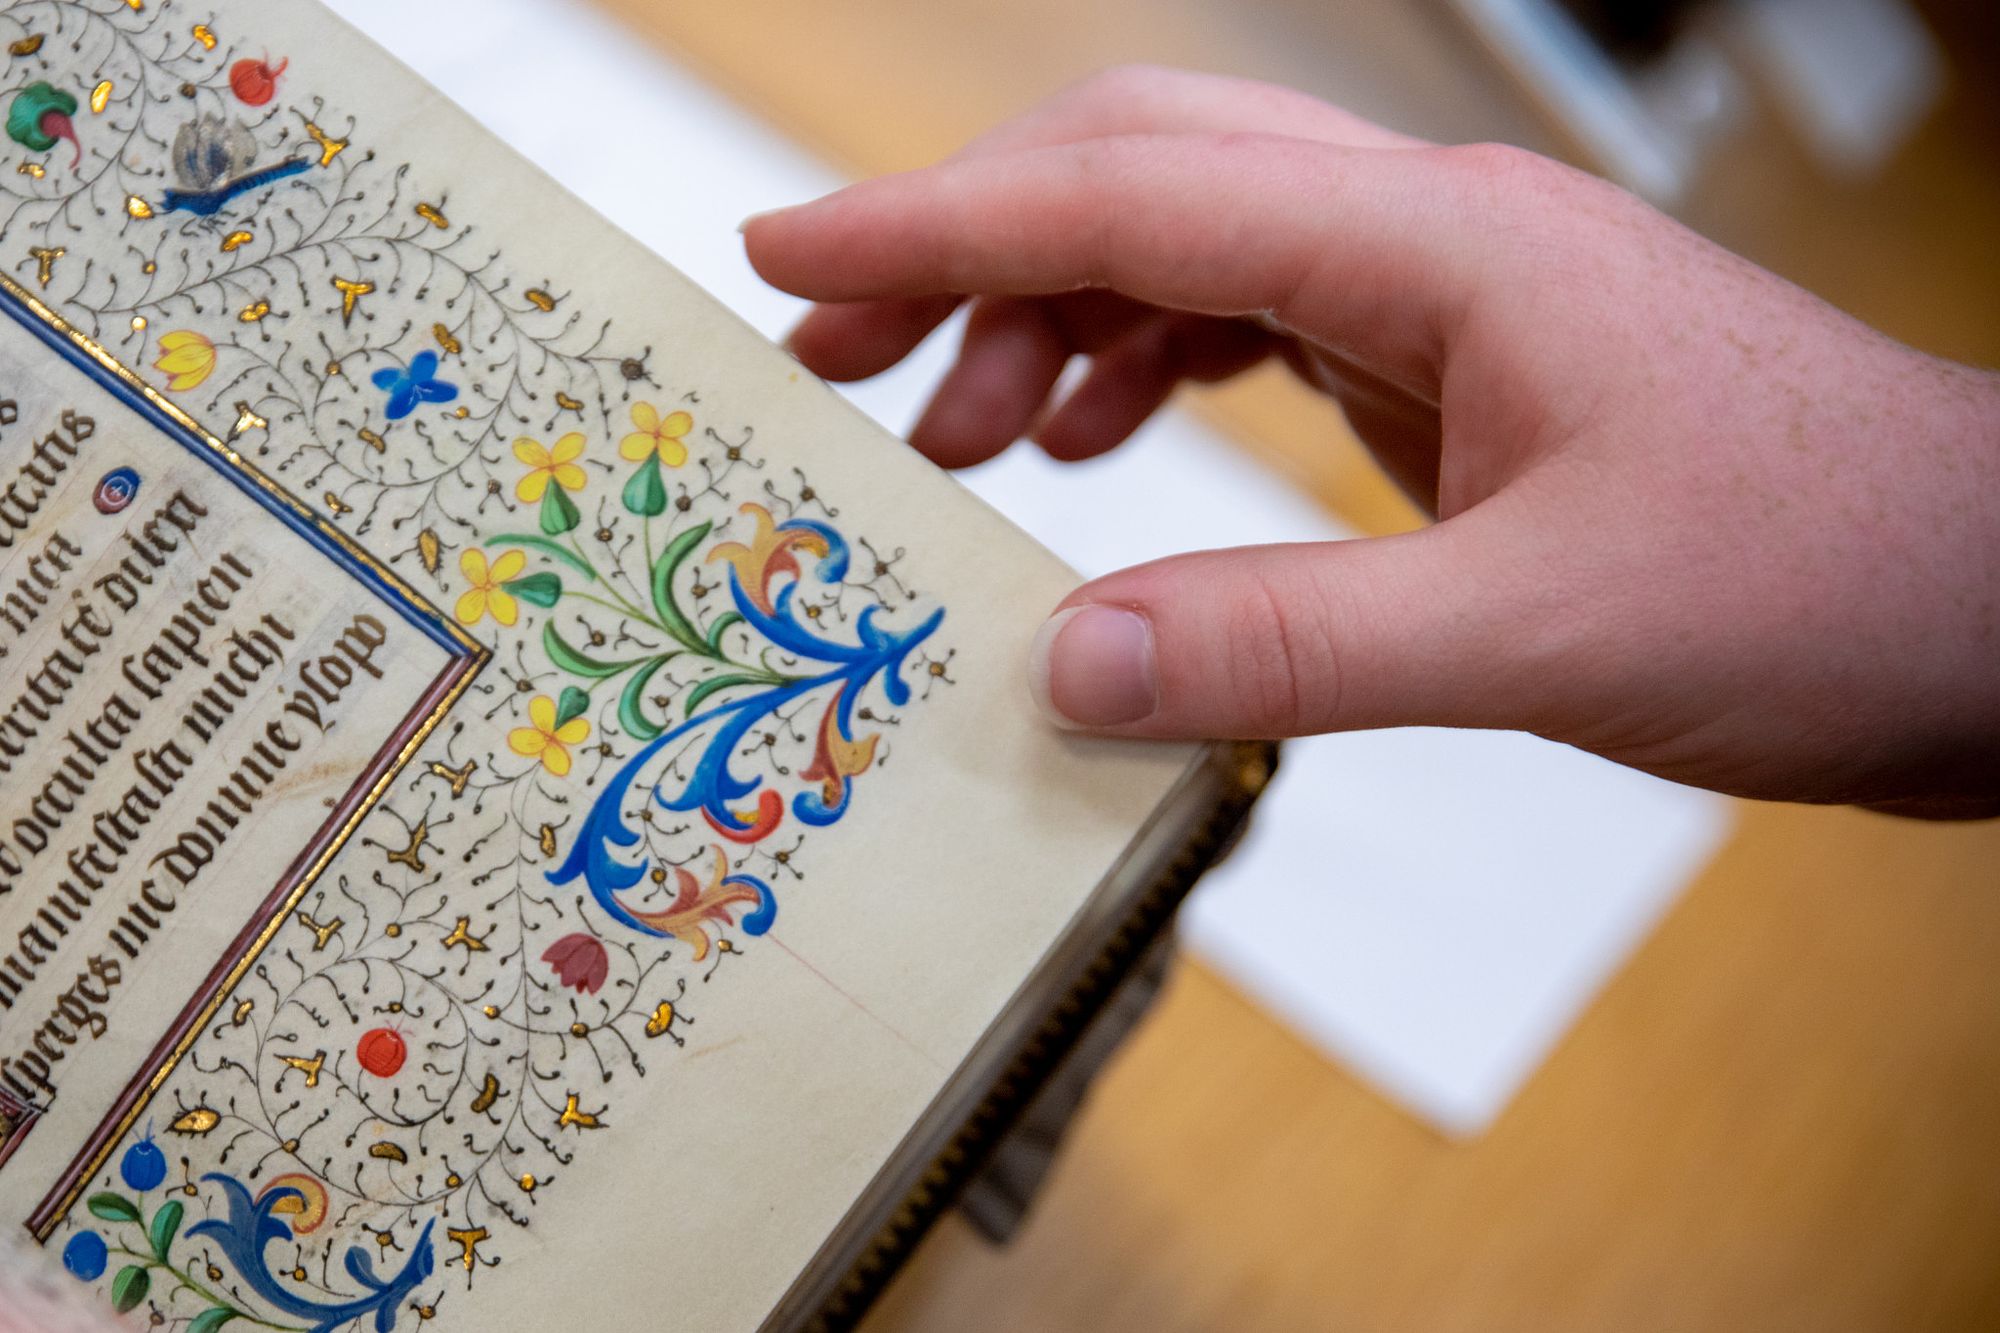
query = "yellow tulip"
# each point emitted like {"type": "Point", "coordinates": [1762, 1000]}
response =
{"type": "Point", "coordinates": [186, 357]}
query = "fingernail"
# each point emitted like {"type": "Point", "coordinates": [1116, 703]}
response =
{"type": "Point", "coordinates": [1092, 666]}
{"type": "Point", "coordinates": [744, 225]}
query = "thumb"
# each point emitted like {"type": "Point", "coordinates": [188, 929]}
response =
{"type": "Point", "coordinates": [1289, 640]}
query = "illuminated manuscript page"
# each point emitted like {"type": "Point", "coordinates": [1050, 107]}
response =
{"type": "Point", "coordinates": [513, 798]}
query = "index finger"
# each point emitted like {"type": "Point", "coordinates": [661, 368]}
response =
{"type": "Point", "coordinates": [1374, 252]}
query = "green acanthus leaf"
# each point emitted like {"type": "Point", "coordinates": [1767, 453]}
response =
{"type": "Point", "coordinates": [559, 512]}
{"type": "Point", "coordinates": [166, 1224]}
{"type": "Point", "coordinates": [130, 1287]}
{"type": "Point", "coordinates": [632, 700]}
{"type": "Point", "coordinates": [646, 493]}
{"type": "Point", "coordinates": [542, 588]}
{"type": "Point", "coordinates": [571, 703]}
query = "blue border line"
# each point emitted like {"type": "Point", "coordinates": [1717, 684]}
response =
{"type": "Point", "coordinates": [293, 515]}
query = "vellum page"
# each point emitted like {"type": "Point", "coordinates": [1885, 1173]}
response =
{"type": "Point", "coordinates": [513, 798]}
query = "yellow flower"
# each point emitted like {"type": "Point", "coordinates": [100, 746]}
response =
{"type": "Point", "coordinates": [543, 739]}
{"type": "Point", "coordinates": [656, 433]}
{"type": "Point", "coordinates": [486, 594]}
{"type": "Point", "coordinates": [187, 357]}
{"type": "Point", "coordinates": [557, 465]}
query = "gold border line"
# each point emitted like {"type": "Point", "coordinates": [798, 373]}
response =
{"type": "Point", "coordinates": [458, 677]}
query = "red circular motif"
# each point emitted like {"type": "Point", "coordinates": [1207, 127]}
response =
{"type": "Point", "coordinates": [381, 1052]}
{"type": "Point", "coordinates": [254, 81]}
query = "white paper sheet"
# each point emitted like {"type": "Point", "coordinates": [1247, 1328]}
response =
{"type": "Point", "coordinates": [1432, 907]}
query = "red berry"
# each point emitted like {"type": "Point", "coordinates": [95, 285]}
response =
{"type": "Point", "coordinates": [381, 1052]}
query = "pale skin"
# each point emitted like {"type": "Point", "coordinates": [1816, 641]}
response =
{"type": "Point", "coordinates": [1690, 517]}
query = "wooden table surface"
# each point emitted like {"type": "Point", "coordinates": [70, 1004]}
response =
{"type": "Point", "coordinates": [1784, 1113]}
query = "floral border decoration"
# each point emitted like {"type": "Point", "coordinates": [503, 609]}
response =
{"type": "Point", "coordinates": [697, 663]}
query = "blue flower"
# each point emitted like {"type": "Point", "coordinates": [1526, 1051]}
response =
{"type": "Point", "coordinates": [85, 1255]}
{"type": "Point", "coordinates": [418, 384]}
{"type": "Point", "coordinates": [143, 1165]}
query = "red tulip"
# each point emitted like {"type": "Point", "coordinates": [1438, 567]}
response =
{"type": "Point", "coordinates": [579, 961]}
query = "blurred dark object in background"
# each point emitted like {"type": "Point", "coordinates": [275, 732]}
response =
{"type": "Point", "coordinates": [1634, 31]}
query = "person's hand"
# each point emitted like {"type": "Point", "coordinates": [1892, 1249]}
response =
{"type": "Point", "coordinates": [1693, 518]}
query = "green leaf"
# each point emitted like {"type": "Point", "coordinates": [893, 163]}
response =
{"type": "Point", "coordinates": [558, 511]}
{"type": "Point", "coordinates": [577, 662]}
{"type": "Point", "coordinates": [664, 568]}
{"type": "Point", "coordinates": [166, 1224]}
{"type": "Point", "coordinates": [720, 626]}
{"type": "Point", "coordinates": [570, 703]}
{"type": "Point", "coordinates": [113, 1207]}
{"type": "Point", "coordinates": [546, 547]}
{"type": "Point", "coordinates": [713, 684]}
{"type": "Point", "coordinates": [542, 588]}
{"type": "Point", "coordinates": [130, 1287]}
{"type": "Point", "coordinates": [646, 493]}
{"type": "Point", "coordinates": [211, 1319]}
{"type": "Point", "coordinates": [631, 701]}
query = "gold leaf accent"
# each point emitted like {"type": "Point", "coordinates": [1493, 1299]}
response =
{"type": "Point", "coordinates": [468, 1243]}
{"type": "Point", "coordinates": [337, 506]}
{"type": "Point", "coordinates": [309, 1067]}
{"type": "Point", "coordinates": [329, 147]}
{"type": "Point", "coordinates": [321, 932]}
{"type": "Point", "coordinates": [250, 314]}
{"type": "Point", "coordinates": [351, 290]}
{"type": "Point", "coordinates": [27, 46]}
{"type": "Point", "coordinates": [198, 1121]}
{"type": "Point", "coordinates": [413, 855]}
{"type": "Point", "coordinates": [462, 937]}
{"type": "Point", "coordinates": [242, 1014]}
{"type": "Point", "coordinates": [428, 549]}
{"type": "Point", "coordinates": [100, 97]}
{"type": "Point", "coordinates": [444, 338]}
{"type": "Point", "coordinates": [373, 440]}
{"type": "Point", "coordinates": [568, 403]}
{"type": "Point", "coordinates": [31, 169]}
{"type": "Point", "coordinates": [540, 299]}
{"type": "Point", "coordinates": [548, 840]}
{"type": "Point", "coordinates": [662, 1021]}
{"type": "Point", "coordinates": [489, 1093]}
{"type": "Point", "coordinates": [236, 240]}
{"type": "Point", "coordinates": [204, 36]}
{"type": "Point", "coordinates": [246, 419]}
{"type": "Point", "coordinates": [45, 257]}
{"type": "Point", "coordinates": [582, 1119]}
{"type": "Point", "coordinates": [388, 1152]}
{"type": "Point", "coordinates": [430, 214]}
{"type": "Point", "coordinates": [137, 207]}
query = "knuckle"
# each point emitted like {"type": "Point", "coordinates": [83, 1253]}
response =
{"type": "Point", "coordinates": [1282, 655]}
{"type": "Point", "coordinates": [1503, 173]}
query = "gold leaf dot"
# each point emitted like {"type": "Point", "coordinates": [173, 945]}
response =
{"type": "Point", "coordinates": [100, 97]}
